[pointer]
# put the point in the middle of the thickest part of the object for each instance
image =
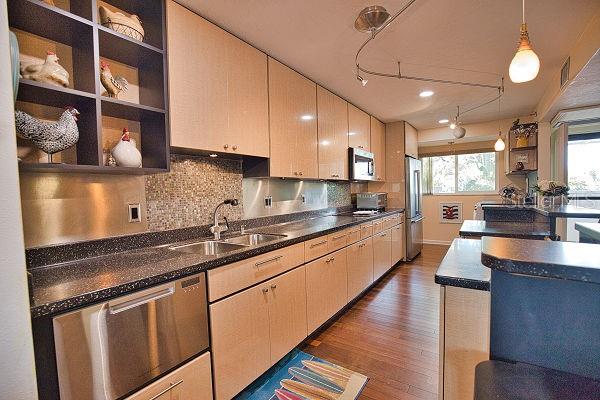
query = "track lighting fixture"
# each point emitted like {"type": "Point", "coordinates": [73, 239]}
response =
{"type": "Point", "coordinates": [361, 80]}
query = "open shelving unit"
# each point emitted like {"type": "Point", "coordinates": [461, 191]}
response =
{"type": "Point", "coordinates": [72, 29]}
{"type": "Point", "coordinates": [528, 155]}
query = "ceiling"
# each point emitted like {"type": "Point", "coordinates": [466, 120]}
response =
{"type": "Point", "coordinates": [318, 38]}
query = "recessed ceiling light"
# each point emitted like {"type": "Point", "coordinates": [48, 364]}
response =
{"type": "Point", "coordinates": [306, 117]}
{"type": "Point", "coordinates": [443, 121]}
{"type": "Point", "coordinates": [426, 93]}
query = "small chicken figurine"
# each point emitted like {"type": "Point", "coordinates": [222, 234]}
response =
{"type": "Point", "coordinates": [113, 84]}
{"type": "Point", "coordinates": [49, 71]}
{"type": "Point", "coordinates": [51, 137]}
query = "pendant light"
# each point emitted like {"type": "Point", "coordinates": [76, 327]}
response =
{"type": "Point", "coordinates": [525, 66]}
{"type": "Point", "coordinates": [499, 145]}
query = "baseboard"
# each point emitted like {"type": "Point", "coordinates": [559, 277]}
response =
{"type": "Point", "coordinates": [438, 242]}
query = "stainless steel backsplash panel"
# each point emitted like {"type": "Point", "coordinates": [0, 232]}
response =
{"type": "Point", "coordinates": [287, 196]}
{"type": "Point", "coordinates": [60, 208]}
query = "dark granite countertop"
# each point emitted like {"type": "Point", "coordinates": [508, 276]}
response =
{"type": "Point", "coordinates": [462, 266]}
{"type": "Point", "coordinates": [589, 229]}
{"type": "Point", "coordinates": [567, 211]}
{"type": "Point", "coordinates": [561, 260]}
{"type": "Point", "coordinates": [67, 285]}
{"type": "Point", "coordinates": [504, 229]}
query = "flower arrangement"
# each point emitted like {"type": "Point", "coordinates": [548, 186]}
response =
{"type": "Point", "coordinates": [511, 192]}
{"type": "Point", "coordinates": [522, 132]}
{"type": "Point", "coordinates": [551, 188]}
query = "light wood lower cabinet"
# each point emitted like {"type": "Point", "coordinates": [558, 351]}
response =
{"type": "Point", "coordinates": [360, 267]}
{"type": "Point", "coordinates": [326, 288]}
{"type": "Point", "coordinates": [397, 243]}
{"type": "Point", "coordinates": [464, 339]}
{"type": "Point", "coordinates": [253, 329]}
{"type": "Point", "coordinates": [190, 382]}
{"type": "Point", "coordinates": [382, 253]}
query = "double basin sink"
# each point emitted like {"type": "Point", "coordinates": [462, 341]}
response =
{"type": "Point", "coordinates": [216, 247]}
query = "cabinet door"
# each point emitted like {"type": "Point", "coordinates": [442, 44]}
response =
{"type": "Point", "coordinates": [217, 88]}
{"type": "Point", "coordinates": [378, 147]}
{"type": "Point", "coordinates": [360, 267]}
{"type": "Point", "coordinates": [190, 382]}
{"type": "Point", "coordinates": [287, 312]}
{"type": "Point", "coordinates": [397, 243]}
{"type": "Point", "coordinates": [359, 128]}
{"type": "Point", "coordinates": [326, 288]}
{"type": "Point", "coordinates": [240, 340]}
{"type": "Point", "coordinates": [382, 253]}
{"type": "Point", "coordinates": [333, 135]}
{"type": "Point", "coordinates": [410, 140]}
{"type": "Point", "coordinates": [293, 112]}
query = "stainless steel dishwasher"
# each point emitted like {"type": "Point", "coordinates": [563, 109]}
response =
{"type": "Point", "coordinates": [110, 349]}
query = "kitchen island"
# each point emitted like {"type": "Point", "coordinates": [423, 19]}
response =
{"type": "Point", "coordinates": [588, 232]}
{"type": "Point", "coordinates": [475, 229]}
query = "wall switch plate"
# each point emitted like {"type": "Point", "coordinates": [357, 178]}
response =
{"type": "Point", "coordinates": [135, 212]}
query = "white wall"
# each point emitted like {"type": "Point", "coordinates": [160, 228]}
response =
{"type": "Point", "coordinates": [17, 369]}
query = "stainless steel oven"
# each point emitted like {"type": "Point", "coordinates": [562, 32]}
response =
{"type": "Point", "coordinates": [362, 164]}
{"type": "Point", "coordinates": [108, 350]}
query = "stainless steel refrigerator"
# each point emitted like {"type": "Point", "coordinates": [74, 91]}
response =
{"type": "Point", "coordinates": [414, 215]}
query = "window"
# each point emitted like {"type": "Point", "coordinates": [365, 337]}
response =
{"type": "Point", "coordinates": [461, 173]}
{"type": "Point", "coordinates": [584, 168]}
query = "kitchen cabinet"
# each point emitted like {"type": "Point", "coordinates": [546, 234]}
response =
{"type": "Point", "coordinates": [293, 123]}
{"type": "Point", "coordinates": [411, 142]}
{"type": "Point", "coordinates": [397, 243]}
{"type": "Point", "coordinates": [192, 381]}
{"type": "Point", "coordinates": [326, 288]}
{"type": "Point", "coordinates": [382, 253]}
{"type": "Point", "coordinates": [253, 329]}
{"type": "Point", "coordinates": [332, 127]}
{"type": "Point", "coordinates": [360, 267]}
{"type": "Point", "coordinates": [359, 128]}
{"type": "Point", "coordinates": [464, 339]}
{"type": "Point", "coordinates": [378, 147]}
{"type": "Point", "coordinates": [218, 88]}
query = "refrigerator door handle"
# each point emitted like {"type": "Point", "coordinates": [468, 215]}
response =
{"type": "Point", "coordinates": [414, 221]}
{"type": "Point", "coordinates": [418, 192]}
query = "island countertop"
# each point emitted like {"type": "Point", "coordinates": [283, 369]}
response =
{"type": "Point", "coordinates": [462, 266]}
{"type": "Point", "coordinates": [589, 229]}
{"type": "Point", "coordinates": [566, 211]}
{"type": "Point", "coordinates": [560, 260]}
{"type": "Point", "coordinates": [477, 228]}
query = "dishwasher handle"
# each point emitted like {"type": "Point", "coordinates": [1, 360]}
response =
{"type": "Point", "coordinates": [140, 299]}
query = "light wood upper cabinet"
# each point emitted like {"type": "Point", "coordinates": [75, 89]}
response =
{"type": "Point", "coordinates": [218, 88]}
{"type": "Point", "coordinates": [333, 135]}
{"type": "Point", "coordinates": [382, 253]}
{"type": "Point", "coordinates": [326, 288]}
{"type": "Point", "coordinates": [287, 312]}
{"type": "Point", "coordinates": [359, 128]}
{"type": "Point", "coordinates": [378, 147]}
{"type": "Point", "coordinates": [411, 140]}
{"type": "Point", "coordinates": [360, 267]}
{"type": "Point", "coordinates": [240, 340]}
{"type": "Point", "coordinates": [293, 121]}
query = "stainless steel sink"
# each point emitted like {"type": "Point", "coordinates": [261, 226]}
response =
{"type": "Point", "coordinates": [208, 247]}
{"type": "Point", "coordinates": [254, 239]}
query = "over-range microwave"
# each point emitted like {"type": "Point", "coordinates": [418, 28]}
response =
{"type": "Point", "coordinates": [362, 164]}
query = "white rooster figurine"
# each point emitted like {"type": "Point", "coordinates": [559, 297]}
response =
{"type": "Point", "coordinates": [113, 84]}
{"type": "Point", "coordinates": [51, 137]}
{"type": "Point", "coordinates": [49, 71]}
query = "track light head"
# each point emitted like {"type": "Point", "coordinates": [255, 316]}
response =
{"type": "Point", "coordinates": [362, 80]}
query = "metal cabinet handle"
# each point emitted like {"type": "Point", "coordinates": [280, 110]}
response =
{"type": "Point", "coordinates": [258, 264]}
{"type": "Point", "coordinates": [171, 386]}
{"type": "Point", "coordinates": [226, 146]}
{"type": "Point", "coordinates": [330, 260]}
{"type": "Point", "coordinates": [301, 173]}
{"type": "Point", "coordinates": [273, 286]}
{"type": "Point", "coordinates": [265, 290]}
{"type": "Point", "coordinates": [144, 298]}
{"type": "Point", "coordinates": [339, 237]}
{"type": "Point", "coordinates": [383, 234]}
{"type": "Point", "coordinates": [360, 147]}
{"type": "Point", "coordinates": [318, 244]}
{"type": "Point", "coordinates": [234, 147]}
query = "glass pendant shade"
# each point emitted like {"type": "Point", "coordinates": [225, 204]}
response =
{"type": "Point", "coordinates": [525, 66]}
{"type": "Point", "coordinates": [499, 145]}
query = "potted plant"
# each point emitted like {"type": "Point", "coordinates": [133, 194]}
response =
{"type": "Point", "coordinates": [552, 193]}
{"type": "Point", "coordinates": [511, 194]}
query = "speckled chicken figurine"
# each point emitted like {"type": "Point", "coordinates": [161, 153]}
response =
{"type": "Point", "coordinates": [113, 84]}
{"type": "Point", "coordinates": [51, 137]}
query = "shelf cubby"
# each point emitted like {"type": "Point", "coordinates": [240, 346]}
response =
{"type": "Point", "coordinates": [71, 28]}
{"type": "Point", "coordinates": [527, 155]}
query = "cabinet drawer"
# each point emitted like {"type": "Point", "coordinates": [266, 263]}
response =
{"type": "Point", "coordinates": [353, 235]}
{"type": "Point", "coordinates": [316, 248]}
{"type": "Point", "coordinates": [231, 278]}
{"type": "Point", "coordinates": [366, 230]}
{"type": "Point", "coordinates": [337, 240]}
{"type": "Point", "coordinates": [378, 226]}
{"type": "Point", "coordinates": [192, 381]}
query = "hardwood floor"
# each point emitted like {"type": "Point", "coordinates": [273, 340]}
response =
{"type": "Point", "coordinates": [391, 333]}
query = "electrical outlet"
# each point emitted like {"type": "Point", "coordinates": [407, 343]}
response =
{"type": "Point", "coordinates": [268, 201]}
{"type": "Point", "coordinates": [134, 212]}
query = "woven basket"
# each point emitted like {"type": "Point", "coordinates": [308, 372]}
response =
{"type": "Point", "coordinates": [124, 29]}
